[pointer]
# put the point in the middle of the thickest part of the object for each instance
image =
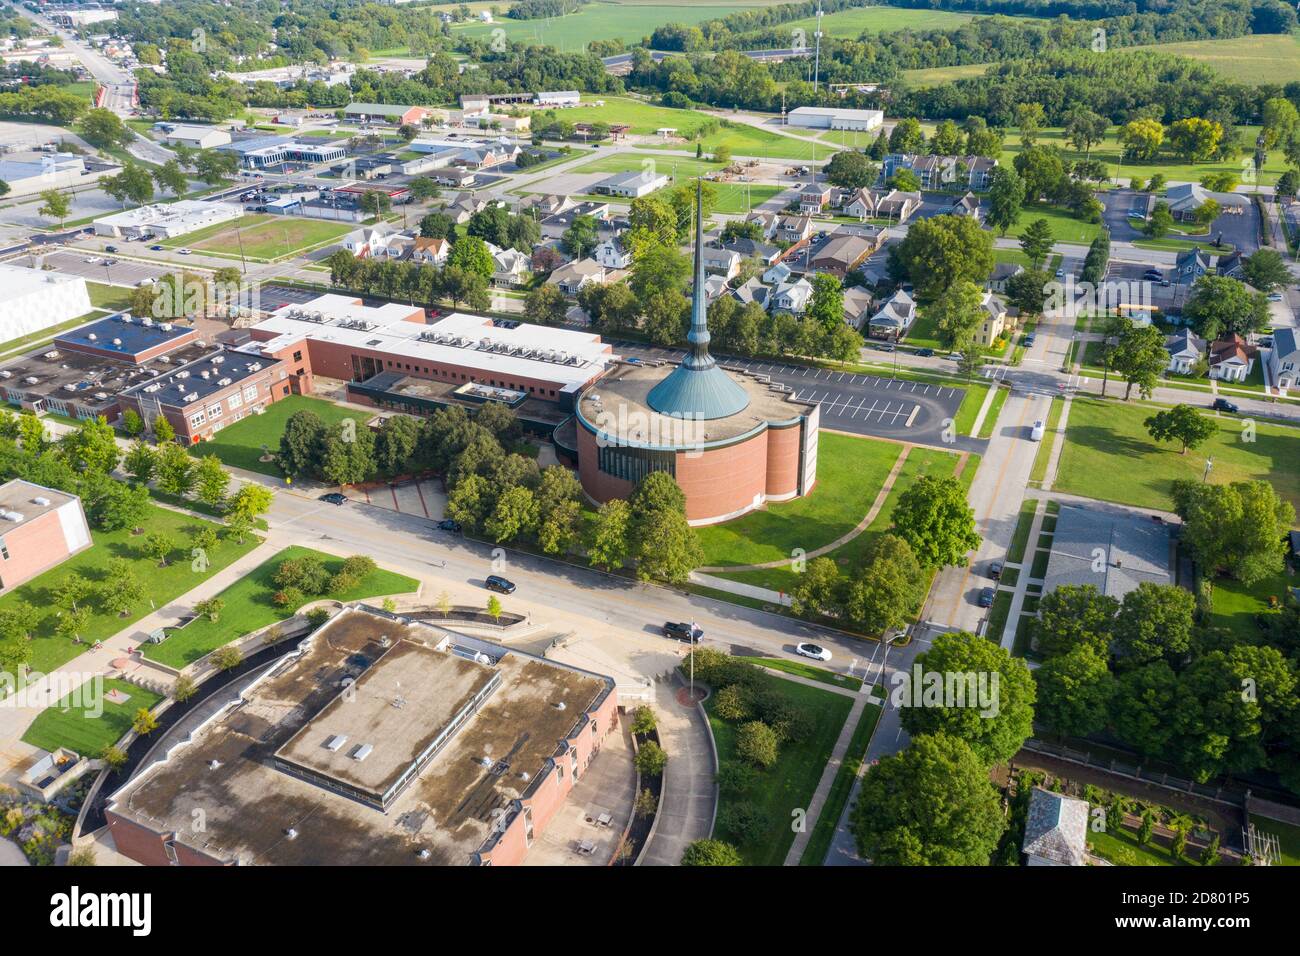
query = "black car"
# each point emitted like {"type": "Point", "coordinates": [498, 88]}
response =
{"type": "Point", "coordinates": [995, 570]}
{"type": "Point", "coordinates": [446, 524]}
{"type": "Point", "coordinates": [1029, 340]}
{"type": "Point", "coordinates": [925, 353]}
{"type": "Point", "coordinates": [110, 248]}
{"type": "Point", "coordinates": [1223, 405]}
{"type": "Point", "coordinates": [986, 597]}
{"type": "Point", "coordinates": [1155, 274]}
{"type": "Point", "coordinates": [683, 631]}
{"type": "Point", "coordinates": [335, 498]}
{"type": "Point", "coordinates": [497, 583]}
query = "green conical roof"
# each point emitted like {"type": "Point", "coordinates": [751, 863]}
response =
{"type": "Point", "coordinates": [698, 389]}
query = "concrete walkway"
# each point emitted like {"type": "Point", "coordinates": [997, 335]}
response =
{"type": "Point", "coordinates": [1058, 445]}
{"type": "Point", "coordinates": [832, 768]}
{"type": "Point", "coordinates": [1008, 636]}
{"type": "Point", "coordinates": [843, 539]}
{"type": "Point", "coordinates": [689, 801]}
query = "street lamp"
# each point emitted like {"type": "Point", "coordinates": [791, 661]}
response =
{"type": "Point", "coordinates": [1209, 463]}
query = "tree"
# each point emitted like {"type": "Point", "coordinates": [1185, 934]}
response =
{"type": "Point", "coordinates": [494, 607]}
{"type": "Point", "coordinates": [1030, 118]}
{"type": "Point", "coordinates": [158, 546]}
{"type": "Point", "coordinates": [984, 696]}
{"type": "Point", "coordinates": [55, 205]}
{"type": "Point", "coordinates": [121, 507]}
{"type": "Point", "coordinates": [906, 136]}
{"type": "Point", "coordinates": [850, 170]}
{"type": "Point", "coordinates": [826, 306]}
{"type": "Point", "coordinates": [651, 759]}
{"type": "Point", "coordinates": [1139, 358]}
{"type": "Point", "coordinates": [1281, 121]}
{"type": "Point", "coordinates": [437, 225]}
{"type": "Point", "coordinates": [1154, 623]}
{"type": "Point", "coordinates": [1029, 291]}
{"type": "Point", "coordinates": [652, 222]}
{"type": "Point", "coordinates": [1220, 306]}
{"type": "Point", "coordinates": [644, 720]}
{"type": "Point", "coordinates": [658, 269]}
{"type": "Point", "coordinates": [92, 447]}
{"type": "Point", "coordinates": [515, 514]}
{"type": "Point", "coordinates": [144, 722]}
{"type": "Point", "coordinates": [1195, 139]}
{"type": "Point", "coordinates": [711, 853]}
{"type": "Point", "coordinates": [103, 128]}
{"type": "Point", "coordinates": [466, 286]}
{"type": "Point", "coordinates": [1084, 129]}
{"type": "Point", "coordinates": [610, 546]}
{"type": "Point", "coordinates": [133, 183]}
{"type": "Point", "coordinates": [175, 469]}
{"type": "Point", "coordinates": [1074, 692]}
{"type": "Point", "coordinates": [546, 305]}
{"type": "Point", "coordinates": [933, 517]}
{"type": "Point", "coordinates": [1237, 529]}
{"type": "Point", "coordinates": [1266, 270]}
{"type": "Point", "coordinates": [1141, 139]}
{"type": "Point", "coordinates": [1043, 170]}
{"type": "Point", "coordinates": [227, 658]}
{"type": "Point", "coordinates": [1006, 198]}
{"type": "Point", "coordinates": [211, 481]}
{"type": "Point", "coordinates": [664, 545]}
{"type": "Point", "coordinates": [472, 255]}
{"type": "Point", "coordinates": [347, 453]}
{"type": "Point", "coordinates": [213, 167]}
{"type": "Point", "coordinates": [1181, 423]}
{"type": "Point", "coordinates": [249, 502]}
{"type": "Point", "coordinates": [301, 444]}
{"type": "Point", "coordinates": [821, 589]}
{"type": "Point", "coordinates": [1159, 222]}
{"type": "Point", "coordinates": [940, 251]}
{"type": "Point", "coordinates": [1036, 242]}
{"type": "Point", "coordinates": [581, 238]}
{"type": "Point", "coordinates": [210, 608]}
{"type": "Point", "coordinates": [904, 180]}
{"type": "Point", "coordinates": [930, 805]}
{"type": "Point", "coordinates": [120, 588]}
{"type": "Point", "coordinates": [171, 178]}
{"type": "Point", "coordinates": [956, 312]}
{"type": "Point", "coordinates": [888, 588]}
{"type": "Point", "coordinates": [1073, 616]}
{"type": "Point", "coordinates": [756, 742]}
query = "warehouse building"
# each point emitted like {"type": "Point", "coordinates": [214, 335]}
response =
{"type": "Point", "coordinates": [195, 137]}
{"type": "Point", "coordinates": [830, 117]}
{"type": "Point", "coordinates": [167, 220]}
{"type": "Point", "coordinates": [385, 113]}
{"type": "Point", "coordinates": [631, 185]}
{"type": "Point", "coordinates": [377, 740]}
{"type": "Point", "coordinates": [32, 300]}
{"type": "Point", "coordinates": [47, 171]}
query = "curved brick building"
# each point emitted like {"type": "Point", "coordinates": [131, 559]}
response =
{"type": "Point", "coordinates": [730, 440]}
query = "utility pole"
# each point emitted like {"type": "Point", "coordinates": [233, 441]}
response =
{"type": "Point", "coordinates": [817, 52]}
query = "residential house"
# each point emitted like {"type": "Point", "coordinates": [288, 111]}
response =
{"type": "Point", "coordinates": [858, 303]}
{"type": "Point", "coordinates": [764, 252]}
{"type": "Point", "coordinates": [792, 297]}
{"type": "Point", "coordinates": [895, 205]}
{"type": "Point", "coordinates": [994, 322]}
{"type": "Point", "coordinates": [894, 317]}
{"type": "Point", "coordinates": [793, 228]}
{"type": "Point", "coordinates": [364, 242]}
{"type": "Point", "coordinates": [431, 251]}
{"type": "Point", "coordinates": [612, 254]}
{"type": "Point", "coordinates": [942, 172]}
{"type": "Point", "coordinates": [1190, 265]}
{"type": "Point", "coordinates": [842, 252]}
{"type": "Point", "coordinates": [1185, 349]}
{"type": "Point", "coordinates": [1186, 199]}
{"type": "Point", "coordinates": [1056, 830]}
{"type": "Point", "coordinates": [752, 291]}
{"type": "Point", "coordinates": [714, 286]}
{"type": "Point", "coordinates": [769, 222]}
{"type": "Point", "coordinates": [814, 198]}
{"type": "Point", "coordinates": [1232, 358]}
{"type": "Point", "coordinates": [1002, 273]}
{"type": "Point", "coordinates": [543, 204]}
{"type": "Point", "coordinates": [1284, 358]}
{"type": "Point", "coordinates": [1231, 266]}
{"type": "Point", "coordinates": [721, 262]}
{"type": "Point", "coordinates": [967, 205]}
{"type": "Point", "coordinates": [512, 268]}
{"type": "Point", "coordinates": [778, 273]}
{"type": "Point", "coordinates": [573, 277]}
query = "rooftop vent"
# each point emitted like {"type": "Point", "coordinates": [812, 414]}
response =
{"type": "Point", "coordinates": [42, 501]}
{"type": "Point", "coordinates": [362, 752]}
{"type": "Point", "coordinates": [335, 742]}
{"type": "Point", "coordinates": [290, 833]}
{"type": "Point", "coordinates": [214, 764]}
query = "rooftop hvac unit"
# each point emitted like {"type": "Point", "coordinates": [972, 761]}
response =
{"type": "Point", "coordinates": [192, 397]}
{"type": "Point", "coordinates": [12, 516]}
{"type": "Point", "coordinates": [42, 501]}
{"type": "Point", "coordinates": [146, 321]}
{"type": "Point", "coordinates": [255, 367]}
{"type": "Point", "coordinates": [70, 387]}
{"type": "Point", "coordinates": [165, 326]}
{"type": "Point", "coordinates": [117, 342]}
{"type": "Point", "coordinates": [52, 354]}
{"type": "Point", "coordinates": [31, 380]}
{"type": "Point", "coordinates": [362, 752]}
{"type": "Point", "coordinates": [223, 382]}
{"type": "Point", "coordinates": [335, 742]}
{"type": "Point", "coordinates": [165, 359]}
{"type": "Point", "coordinates": [183, 373]}
{"type": "Point", "coordinates": [205, 375]}
{"type": "Point", "coordinates": [92, 336]}
{"type": "Point", "coordinates": [218, 359]}
{"type": "Point", "coordinates": [101, 396]}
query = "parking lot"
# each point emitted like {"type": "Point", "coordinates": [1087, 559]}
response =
{"type": "Point", "coordinates": [123, 272]}
{"type": "Point", "coordinates": [850, 401]}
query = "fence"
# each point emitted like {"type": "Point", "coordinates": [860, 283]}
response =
{"type": "Point", "coordinates": [1218, 794]}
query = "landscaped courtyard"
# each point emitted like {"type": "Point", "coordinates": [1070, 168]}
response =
{"type": "Point", "coordinates": [249, 606]}
{"type": "Point", "coordinates": [86, 722]}
{"type": "Point", "coordinates": [240, 445]}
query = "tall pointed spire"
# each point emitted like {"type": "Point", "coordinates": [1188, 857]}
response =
{"type": "Point", "coordinates": [698, 388]}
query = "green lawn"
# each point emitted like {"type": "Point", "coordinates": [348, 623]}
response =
{"type": "Point", "coordinates": [819, 843]}
{"type": "Point", "coordinates": [596, 21]}
{"type": "Point", "coordinates": [1066, 227]}
{"type": "Point", "coordinates": [995, 409]}
{"type": "Point", "coordinates": [1020, 537]}
{"type": "Point", "coordinates": [262, 237]}
{"type": "Point", "coordinates": [1235, 604]}
{"type": "Point", "coordinates": [644, 118]}
{"type": "Point", "coordinates": [970, 407]}
{"type": "Point", "coordinates": [1109, 455]}
{"type": "Point", "coordinates": [162, 585]}
{"type": "Point", "coordinates": [76, 722]}
{"type": "Point", "coordinates": [240, 445]}
{"type": "Point", "coordinates": [937, 76]}
{"type": "Point", "coordinates": [1043, 456]}
{"type": "Point", "coordinates": [249, 607]}
{"type": "Point", "coordinates": [1123, 849]}
{"type": "Point", "coordinates": [733, 197]}
{"type": "Point", "coordinates": [820, 674]}
{"type": "Point", "coordinates": [790, 783]}
{"type": "Point", "coordinates": [851, 24]}
{"type": "Point", "coordinates": [111, 297]}
{"type": "Point", "coordinates": [850, 472]}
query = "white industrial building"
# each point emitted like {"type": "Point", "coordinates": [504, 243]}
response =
{"type": "Point", "coordinates": [167, 221]}
{"type": "Point", "coordinates": [32, 300]}
{"type": "Point", "coordinates": [48, 171]}
{"type": "Point", "coordinates": [561, 98]}
{"type": "Point", "coordinates": [195, 137]}
{"type": "Point", "coordinates": [632, 184]}
{"type": "Point", "coordinates": [827, 117]}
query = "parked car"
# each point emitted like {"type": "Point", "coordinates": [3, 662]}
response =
{"type": "Point", "coordinates": [995, 570]}
{"type": "Point", "coordinates": [1275, 297]}
{"type": "Point", "coordinates": [986, 597]}
{"type": "Point", "coordinates": [1223, 405]}
{"type": "Point", "coordinates": [110, 248]}
{"type": "Point", "coordinates": [335, 498]}
{"type": "Point", "coordinates": [1029, 340]}
{"type": "Point", "coordinates": [1154, 274]}
{"type": "Point", "coordinates": [1037, 431]}
{"type": "Point", "coordinates": [683, 631]}
{"type": "Point", "coordinates": [815, 651]}
{"type": "Point", "coordinates": [885, 347]}
{"type": "Point", "coordinates": [184, 252]}
{"type": "Point", "coordinates": [156, 248]}
{"type": "Point", "coordinates": [447, 524]}
{"type": "Point", "coordinates": [1060, 273]}
{"type": "Point", "coordinates": [495, 582]}
{"type": "Point", "coordinates": [925, 353]}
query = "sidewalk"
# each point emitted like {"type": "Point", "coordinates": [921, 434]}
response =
{"type": "Point", "coordinates": [689, 801]}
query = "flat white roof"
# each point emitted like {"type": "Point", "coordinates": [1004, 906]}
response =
{"type": "Point", "coordinates": [836, 111]}
{"type": "Point", "coordinates": [183, 212]}
{"type": "Point", "coordinates": [18, 281]}
{"type": "Point", "coordinates": [568, 358]}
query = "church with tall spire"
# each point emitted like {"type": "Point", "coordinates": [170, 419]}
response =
{"type": "Point", "coordinates": [731, 441]}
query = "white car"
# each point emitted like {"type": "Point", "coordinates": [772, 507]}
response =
{"type": "Point", "coordinates": [815, 651]}
{"type": "Point", "coordinates": [1036, 433]}
{"type": "Point", "coordinates": [184, 252]}
{"type": "Point", "coordinates": [1275, 297]}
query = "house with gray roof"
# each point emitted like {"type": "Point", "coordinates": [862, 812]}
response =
{"type": "Point", "coordinates": [1056, 830]}
{"type": "Point", "coordinates": [1185, 349]}
{"type": "Point", "coordinates": [1284, 358]}
{"type": "Point", "coordinates": [1108, 548]}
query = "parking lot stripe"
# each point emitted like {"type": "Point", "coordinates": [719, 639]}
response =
{"type": "Point", "coordinates": [912, 417]}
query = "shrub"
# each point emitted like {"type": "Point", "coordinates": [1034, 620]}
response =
{"type": "Point", "coordinates": [651, 759]}
{"type": "Point", "coordinates": [359, 566]}
{"type": "Point", "coordinates": [644, 720]}
{"type": "Point", "coordinates": [732, 703]}
{"type": "Point", "coordinates": [736, 778]}
{"type": "Point", "coordinates": [317, 616]}
{"type": "Point", "coordinates": [757, 743]}
{"type": "Point", "coordinates": [289, 597]}
{"type": "Point", "coordinates": [114, 757]}
{"type": "Point", "coordinates": [227, 658]}
{"type": "Point", "coordinates": [742, 820]}
{"type": "Point", "coordinates": [183, 689]}
{"type": "Point", "coordinates": [795, 727]}
{"type": "Point", "coordinates": [711, 853]}
{"type": "Point", "coordinates": [343, 582]}
{"type": "Point", "coordinates": [307, 574]}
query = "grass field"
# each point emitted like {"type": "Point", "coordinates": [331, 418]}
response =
{"type": "Point", "coordinates": [240, 445]}
{"type": "Point", "coordinates": [790, 783]}
{"type": "Point", "coordinates": [1043, 457]}
{"type": "Point", "coordinates": [1123, 849]}
{"type": "Point", "coordinates": [850, 473]}
{"type": "Point", "coordinates": [262, 237]}
{"type": "Point", "coordinates": [742, 139]}
{"type": "Point", "coordinates": [819, 843]}
{"type": "Point", "coordinates": [877, 19]}
{"type": "Point", "coordinates": [249, 607]}
{"type": "Point", "coordinates": [1174, 169]}
{"type": "Point", "coordinates": [1262, 58]}
{"type": "Point", "coordinates": [939, 75]}
{"type": "Point", "coordinates": [1235, 604]}
{"type": "Point", "coordinates": [598, 21]}
{"type": "Point", "coordinates": [1066, 227]}
{"type": "Point", "coordinates": [110, 297]}
{"type": "Point", "coordinates": [819, 674]}
{"type": "Point", "coordinates": [1109, 455]}
{"type": "Point", "coordinates": [75, 721]}
{"type": "Point", "coordinates": [732, 197]}
{"type": "Point", "coordinates": [162, 585]}
{"type": "Point", "coordinates": [995, 409]}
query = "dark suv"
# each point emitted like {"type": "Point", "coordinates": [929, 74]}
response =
{"type": "Point", "coordinates": [683, 631]}
{"type": "Point", "coordinates": [1223, 405]}
{"type": "Point", "coordinates": [495, 582]}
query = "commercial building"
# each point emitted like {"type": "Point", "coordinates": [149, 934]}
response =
{"type": "Point", "coordinates": [32, 300]}
{"type": "Point", "coordinates": [375, 741]}
{"type": "Point", "coordinates": [731, 441]}
{"type": "Point", "coordinates": [39, 529]}
{"type": "Point", "coordinates": [167, 220]}
{"type": "Point", "coordinates": [631, 185]}
{"type": "Point", "coordinates": [264, 152]}
{"type": "Point", "coordinates": [560, 98]}
{"type": "Point", "coordinates": [824, 117]}
{"type": "Point", "coordinates": [195, 137]}
{"type": "Point", "coordinates": [48, 171]}
{"type": "Point", "coordinates": [385, 113]}
{"type": "Point", "coordinates": [338, 337]}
